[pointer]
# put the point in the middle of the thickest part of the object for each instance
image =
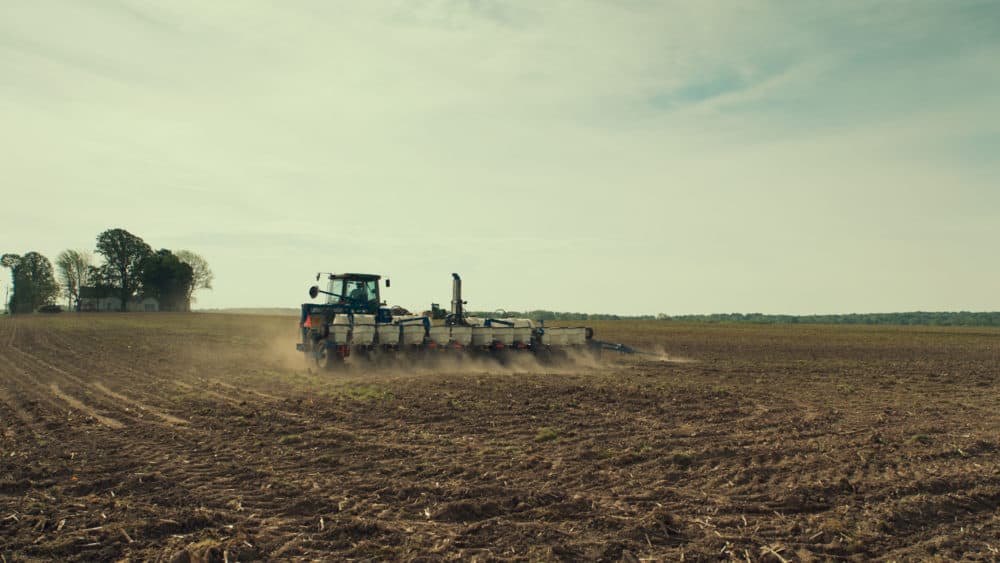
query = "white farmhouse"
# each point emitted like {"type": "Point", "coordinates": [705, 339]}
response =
{"type": "Point", "coordinates": [105, 299]}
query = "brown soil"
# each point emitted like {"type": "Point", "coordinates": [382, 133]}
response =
{"type": "Point", "coordinates": [203, 438]}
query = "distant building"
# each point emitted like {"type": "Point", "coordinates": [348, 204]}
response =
{"type": "Point", "coordinates": [144, 304]}
{"type": "Point", "coordinates": [99, 299]}
{"type": "Point", "coordinates": [106, 299]}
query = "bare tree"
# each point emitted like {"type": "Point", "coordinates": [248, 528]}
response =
{"type": "Point", "coordinates": [203, 276]}
{"type": "Point", "coordinates": [10, 261]}
{"type": "Point", "coordinates": [73, 266]}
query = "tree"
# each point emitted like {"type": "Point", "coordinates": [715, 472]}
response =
{"type": "Point", "coordinates": [123, 256]}
{"type": "Point", "coordinates": [34, 284]}
{"type": "Point", "coordinates": [10, 261]}
{"type": "Point", "coordinates": [203, 276]}
{"type": "Point", "coordinates": [73, 266]}
{"type": "Point", "coordinates": [95, 277]}
{"type": "Point", "coordinates": [168, 279]}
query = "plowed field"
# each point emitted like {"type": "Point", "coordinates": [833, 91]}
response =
{"type": "Point", "coordinates": [203, 437]}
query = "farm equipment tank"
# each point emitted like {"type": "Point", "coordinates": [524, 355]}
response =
{"type": "Point", "coordinates": [355, 322]}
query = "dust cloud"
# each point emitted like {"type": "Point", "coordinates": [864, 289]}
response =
{"type": "Point", "coordinates": [281, 354]}
{"type": "Point", "coordinates": [444, 363]}
{"type": "Point", "coordinates": [660, 354]}
{"type": "Point", "coordinates": [276, 350]}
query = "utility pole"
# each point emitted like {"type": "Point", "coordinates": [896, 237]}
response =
{"type": "Point", "coordinates": [6, 297]}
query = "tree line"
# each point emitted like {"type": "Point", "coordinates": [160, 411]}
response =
{"type": "Point", "coordinates": [129, 268]}
{"type": "Point", "coordinates": [543, 315]}
{"type": "Point", "coordinates": [923, 318]}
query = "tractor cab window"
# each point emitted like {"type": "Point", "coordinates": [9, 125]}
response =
{"type": "Point", "coordinates": [336, 291]}
{"type": "Point", "coordinates": [360, 293]}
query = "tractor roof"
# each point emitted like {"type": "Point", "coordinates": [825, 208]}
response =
{"type": "Point", "coordinates": [362, 277]}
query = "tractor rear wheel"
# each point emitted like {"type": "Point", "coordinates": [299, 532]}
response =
{"type": "Point", "coordinates": [328, 359]}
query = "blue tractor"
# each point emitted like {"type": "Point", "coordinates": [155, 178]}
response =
{"type": "Point", "coordinates": [355, 322]}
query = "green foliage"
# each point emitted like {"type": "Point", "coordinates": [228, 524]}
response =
{"type": "Point", "coordinates": [845, 388]}
{"type": "Point", "coordinates": [34, 282]}
{"type": "Point", "coordinates": [130, 267]}
{"type": "Point", "coordinates": [165, 277]}
{"type": "Point", "coordinates": [369, 393]}
{"type": "Point", "coordinates": [96, 284]}
{"type": "Point", "coordinates": [10, 260]}
{"type": "Point", "coordinates": [546, 434]}
{"type": "Point", "coordinates": [124, 254]}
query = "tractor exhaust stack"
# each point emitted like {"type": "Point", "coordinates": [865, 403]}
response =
{"type": "Point", "coordinates": [457, 313]}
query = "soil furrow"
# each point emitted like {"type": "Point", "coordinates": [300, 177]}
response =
{"type": "Point", "coordinates": [139, 384]}
{"type": "Point", "coordinates": [28, 390]}
{"type": "Point", "coordinates": [80, 406]}
{"type": "Point", "coordinates": [138, 405]}
{"type": "Point", "coordinates": [15, 411]}
{"type": "Point", "coordinates": [69, 388]}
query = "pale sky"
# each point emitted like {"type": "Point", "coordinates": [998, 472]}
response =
{"type": "Point", "coordinates": [623, 156]}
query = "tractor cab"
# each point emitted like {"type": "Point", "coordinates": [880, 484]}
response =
{"type": "Point", "coordinates": [351, 293]}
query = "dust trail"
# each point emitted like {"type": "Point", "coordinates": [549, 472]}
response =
{"type": "Point", "coordinates": [661, 355]}
{"type": "Point", "coordinates": [655, 354]}
{"type": "Point", "coordinates": [460, 364]}
{"type": "Point", "coordinates": [279, 353]}
{"type": "Point", "coordinates": [445, 363]}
